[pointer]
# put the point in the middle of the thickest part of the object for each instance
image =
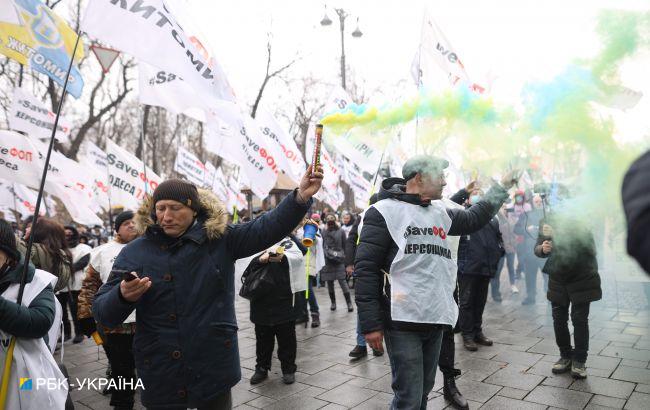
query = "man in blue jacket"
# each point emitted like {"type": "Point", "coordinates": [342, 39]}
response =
{"type": "Point", "coordinates": [185, 347]}
{"type": "Point", "coordinates": [478, 258]}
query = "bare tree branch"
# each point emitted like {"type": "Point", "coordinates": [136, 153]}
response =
{"type": "Point", "coordinates": [268, 76]}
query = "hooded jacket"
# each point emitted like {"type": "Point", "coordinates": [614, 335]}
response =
{"type": "Point", "coordinates": [185, 347]}
{"type": "Point", "coordinates": [377, 250]}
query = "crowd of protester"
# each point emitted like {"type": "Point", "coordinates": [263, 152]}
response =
{"type": "Point", "coordinates": [157, 288]}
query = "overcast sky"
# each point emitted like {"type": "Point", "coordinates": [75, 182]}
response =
{"type": "Point", "coordinates": [511, 41]}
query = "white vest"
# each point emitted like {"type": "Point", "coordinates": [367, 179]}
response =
{"type": "Point", "coordinates": [423, 273]}
{"type": "Point", "coordinates": [32, 358]}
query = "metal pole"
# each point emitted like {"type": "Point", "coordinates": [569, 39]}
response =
{"type": "Point", "coordinates": [144, 148]}
{"type": "Point", "coordinates": [342, 17]}
{"type": "Point", "coordinates": [30, 242]}
{"type": "Point", "coordinates": [108, 181]}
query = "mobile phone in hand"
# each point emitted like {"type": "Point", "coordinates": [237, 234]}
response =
{"type": "Point", "coordinates": [127, 276]}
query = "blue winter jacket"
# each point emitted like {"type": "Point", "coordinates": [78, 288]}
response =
{"type": "Point", "coordinates": [185, 346]}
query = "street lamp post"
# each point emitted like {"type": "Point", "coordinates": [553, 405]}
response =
{"type": "Point", "coordinates": [356, 34]}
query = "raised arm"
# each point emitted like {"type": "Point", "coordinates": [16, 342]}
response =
{"type": "Point", "coordinates": [466, 221]}
{"type": "Point", "coordinates": [253, 237]}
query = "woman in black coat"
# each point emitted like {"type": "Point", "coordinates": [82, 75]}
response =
{"type": "Point", "coordinates": [334, 250]}
{"type": "Point", "coordinates": [274, 313]}
{"type": "Point", "coordinates": [572, 267]}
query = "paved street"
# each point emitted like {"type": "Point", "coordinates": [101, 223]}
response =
{"type": "Point", "coordinates": [515, 373]}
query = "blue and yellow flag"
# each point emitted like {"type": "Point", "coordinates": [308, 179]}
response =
{"type": "Point", "coordinates": [37, 37]}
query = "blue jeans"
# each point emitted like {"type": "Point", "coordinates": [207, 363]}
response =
{"type": "Point", "coordinates": [361, 340]}
{"type": "Point", "coordinates": [413, 360]}
{"type": "Point", "coordinates": [508, 258]}
{"type": "Point", "coordinates": [313, 304]}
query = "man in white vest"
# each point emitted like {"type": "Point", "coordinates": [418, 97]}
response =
{"type": "Point", "coordinates": [31, 323]}
{"type": "Point", "coordinates": [406, 275]}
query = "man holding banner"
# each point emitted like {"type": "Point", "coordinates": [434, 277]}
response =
{"type": "Point", "coordinates": [179, 277]}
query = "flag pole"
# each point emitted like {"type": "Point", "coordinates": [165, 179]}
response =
{"type": "Point", "coordinates": [417, 117]}
{"type": "Point", "coordinates": [30, 242]}
{"type": "Point", "coordinates": [13, 188]}
{"type": "Point", "coordinates": [144, 150]}
{"type": "Point", "coordinates": [108, 181]}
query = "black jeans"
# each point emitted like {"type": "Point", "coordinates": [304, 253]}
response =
{"type": "Point", "coordinates": [221, 402]}
{"type": "Point", "coordinates": [473, 295]}
{"type": "Point", "coordinates": [447, 354]}
{"type": "Point", "coordinates": [265, 342]}
{"type": "Point", "coordinates": [69, 299]}
{"type": "Point", "coordinates": [579, 318]}
{"type": "Point", "coordinates": [448, 349]}
{"type": "Point", "coordinates": [509, 260]}
{"type": "Point", "coordinates": [120, 357]}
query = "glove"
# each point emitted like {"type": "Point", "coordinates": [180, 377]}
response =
{"type": "Point", "coordinates": [88, 326]}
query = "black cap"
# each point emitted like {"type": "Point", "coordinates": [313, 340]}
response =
{"type": "Point", "coordinates": [8, 240]}
{"type": "Point", "coordinates": [423, 164]}
{"type": "Point", "coordinates": [121, 218]}
{"type": "Point", "coordinates": [178, 190]}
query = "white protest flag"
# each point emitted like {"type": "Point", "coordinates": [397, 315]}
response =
{"type": "Point", "coordinates": [19, 198]}
{"type": "Point", "coordinates": [190, 165]}
{"type": "Point", "coordinates": [19, 159]}
{"type": "Point", "coordinates": [66, 173]}
{"type": "Point", "coordinates": [621, 98]}
{"type": "Point", "coordinates": [5, 212]}
{"type": "Point", "coordinates": [330, 191]}
{"type": "Point", "coordinates": [219, 183]}
{"type": "Point", "coordinates": [360, 186]}
{"type": "Point", "coordinates": [126, 177]}
{"type": "Point", "coordinates": [95, 160]}
{"type": "Point", "coordinates": [436, 53]}
{"type": "Point", "coordinates": [235, 197]}
{"type": "Point", "coordinates": [6, 194]}
{"type": "Point", "coordinates": [226, 189]}
{"type": "Point", "coordinates": [290, 158]}
{"type": "Point", "coordinates": [70, 182]}
{"type": "Point", "coordinates": [75, 203]}
{"type": "Point", "coordinates": [163, 89]}
{"type": "Point", "coordinates": [209, 176]}
{"type": "Point", "coordinates": [150, 31]}
{"type": "Point", "coordinates": [221, 140]}
{"type": "Point", "coordinates": [337, 100]}
{"type": "Point", "coordinates": [355, 144]}
{"type": "Point", "coordinates": [29, 115]}
{"type": "Point", "coordinates": [246, 146]}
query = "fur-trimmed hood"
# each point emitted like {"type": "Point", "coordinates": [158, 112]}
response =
{"type": "Point", "coordinates": [213, 212]}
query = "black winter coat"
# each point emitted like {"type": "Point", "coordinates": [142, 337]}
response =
{"type": "Point", "coordinates": [479, 253]}
{"type": "Point", "coordinates": [333, 240]}
{"type": "Point", "coordinates": [277, 306]}
{"type": "Point", "coordinates": [185, 348]}
{"type": "Point", "coordinates": [636, 203]}
{"type": "Point", "coordinates": [572, 266]}
{"type": "Point", "coordinates": [377, 250]}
